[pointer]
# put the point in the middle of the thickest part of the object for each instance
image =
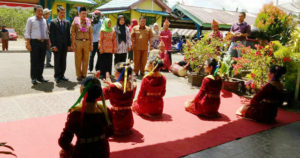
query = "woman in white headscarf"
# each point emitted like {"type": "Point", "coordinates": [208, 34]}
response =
{"type": "Point", "coordinates": [156, 35]}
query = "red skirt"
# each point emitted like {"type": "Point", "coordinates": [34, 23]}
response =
{"type": "Point", "coordinates": [152, 106]}
{"type": "Point", "coordinates": [122, 120]}
{"type": "Point", "coordinates": [210, 110]}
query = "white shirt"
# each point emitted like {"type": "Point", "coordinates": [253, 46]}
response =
{"type": "Point", "coordinates": [36, 29]}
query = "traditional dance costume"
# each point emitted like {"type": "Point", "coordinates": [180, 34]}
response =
{"type": "Point", "coordinates": [207, 101]}
{"type": "Point", "coordinates": [263, 106]}
{"type": "Point", "coordinates": [92, 129]}
{"type": "Point", "coordinates": [121, 104]}
{"type": "Point", "coordinates": [150, 98]}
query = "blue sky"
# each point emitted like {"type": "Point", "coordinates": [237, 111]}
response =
{"type": "Point", "coordinates": [250, 5]}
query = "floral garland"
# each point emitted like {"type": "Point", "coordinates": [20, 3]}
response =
{"type": "Point", "coordinates": [77, 21]}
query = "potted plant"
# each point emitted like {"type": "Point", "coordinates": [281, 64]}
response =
{"type": "Point", "coordinates": [230, 83]}
{"type": "Point", "coordinates": [196, 53]}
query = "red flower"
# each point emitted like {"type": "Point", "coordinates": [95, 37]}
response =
{"type": "Point", "coordinates": [252, 75]}
{"type": "Point", "coordinates": [270, 52]}
{"type": "Point", "coordinates": [258, 53]}
{"type": "Point", "coordinates": [253, 85]}
{"type": "Point", "coordinates": [286, 59]}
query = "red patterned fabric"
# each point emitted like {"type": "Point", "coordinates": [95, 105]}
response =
{"type": "Point", "coordinates": [207, 101]}
{"type": "Point", "coordinates": [164, 56]}
{"type": "Point", "coordinates": [216, 35]}
{"type": "Point", "coordinates": [150, 98]}
{"type": "Point", "coordinates": [263, 106]}
{"type": "Point", "coordinates": [166, 36]}
{"type": "Point", "coordinates": [122, 119]}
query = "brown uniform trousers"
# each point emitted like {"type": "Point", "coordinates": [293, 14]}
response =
{"type": "Point", "coordinates": [82, 51]}
{"type": "Point", "coordinates": [82, 55]}
{"type": "Point", "coordinates": [5, 38]}
{"type": "Point", "coordinates": [4, 45]}
{"type": "Point", "coordinates": [140, 60]}
{"type": "Point", "coordinates": [141, 37]}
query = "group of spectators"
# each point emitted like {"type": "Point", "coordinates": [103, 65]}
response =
{"type": "Point", "coordinates": [87, 38]}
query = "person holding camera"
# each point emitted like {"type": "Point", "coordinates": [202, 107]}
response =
{"type": "Point", "coordinates": [97, 20]}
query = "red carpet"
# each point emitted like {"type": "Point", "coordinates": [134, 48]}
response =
{"type": "Point", "coordinates": [178, 133]}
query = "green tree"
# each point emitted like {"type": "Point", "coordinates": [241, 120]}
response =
{"type": "Point", "coordinates": [15, 18]}
{"type": "Point", "coordinates": [275, 23]}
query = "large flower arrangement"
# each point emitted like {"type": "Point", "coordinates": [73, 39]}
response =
{"type": "Point", "coordinates": [196, 53]}
{"type": "Point", "coordinates": [259, 60]}
{"type": "Point", "coordinates": [274, 23]}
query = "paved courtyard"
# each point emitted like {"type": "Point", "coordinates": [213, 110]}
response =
{"type": "Point", "coordinates": [20, 100]}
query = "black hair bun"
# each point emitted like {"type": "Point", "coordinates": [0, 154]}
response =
{"type": "Point", "coordinates": [278, 70]}
{"type": "Point", "coordinates": [212, 62]}
{"type": "Point", "coordinates": [95, 89]}
{"type": "Point", "coordinates": [282, 70]}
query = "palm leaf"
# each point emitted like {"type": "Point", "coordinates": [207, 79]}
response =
{"type": "Point", "coordinates": [7, 153]}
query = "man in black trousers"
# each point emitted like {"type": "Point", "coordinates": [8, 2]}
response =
{"type": "Point", "coordinates": [61, 43]}
{"type": "Point", "coordinates": [37, 41]}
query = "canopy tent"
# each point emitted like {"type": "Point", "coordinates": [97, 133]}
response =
{"type": "Point", "coordinates": [185, 32]}
{"type": "Point", "coordinates": [5, 4]}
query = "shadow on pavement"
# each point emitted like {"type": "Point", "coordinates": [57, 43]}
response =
{"type": "Point", "coordinates": [45, 87]}
{"type": "Point", "coordinates": [135, 137]}
{"type": "Point", "coordinates": [163, 117]}
{"type": "Point", "coordinates": [69, 85]}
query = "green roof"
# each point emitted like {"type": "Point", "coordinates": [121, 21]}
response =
{"type": "Point", "coordinates": [80, 2]}
{"type": "Point", "coordinates": [152, 12]}
{"type": "Point", "coordinates": [114, 4]}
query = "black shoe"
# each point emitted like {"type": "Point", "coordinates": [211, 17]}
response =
{"type": "Point", "coordinates": [42, 80]}
{"type": "Point", "coordinates": [79, 79]}
{"type": "Point", "coordinates": [34, 82]}
{"type": "Point", "coordinates": [57, 80]}
{"type": "Point", "coordinates": [64, 79]}
{"type": "Point", "coordinates": [49, 66]}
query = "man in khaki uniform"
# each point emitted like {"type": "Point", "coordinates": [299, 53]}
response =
{"type": "Point", "coordinates": [141, 37]}
{"type": "Point", "coordinates": [82, 42]}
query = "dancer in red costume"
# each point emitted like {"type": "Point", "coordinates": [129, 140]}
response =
{"type": "Point", "coordinates": [207, 101]}
{"type": "Point", "coordinates": [164, 56]}
{"type": "Point", "coordinates": [90, 122]}
{"type": "Point", "coordinates": [263, 106]}
{"type": "Point", "coordinates": [121, 94]}
{"type": "Point", "coordinates": [153, 88]}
